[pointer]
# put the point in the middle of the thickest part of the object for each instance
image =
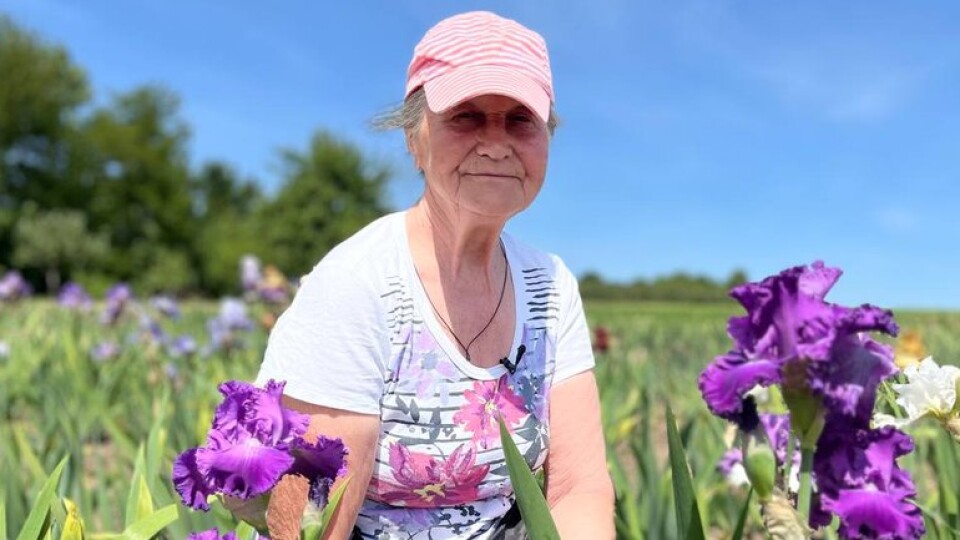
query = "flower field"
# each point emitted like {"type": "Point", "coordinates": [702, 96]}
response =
{"type": "Point", "coordinates": [120, 393]}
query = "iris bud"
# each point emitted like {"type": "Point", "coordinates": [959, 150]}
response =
{"type": "Point", "coordinates": [806, 416]}
{"type": "Point", "coordinates": [760, 464]}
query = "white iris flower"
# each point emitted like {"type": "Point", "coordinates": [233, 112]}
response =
{"type": "Point", "coordinates": [931, 390]}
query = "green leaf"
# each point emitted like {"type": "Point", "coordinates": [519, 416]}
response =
{"type": "Point", "coordinates": [147, 527]}
{"type": "Point", "coordinates": [689, 526]}
{"type": "Point", "coordinates": [246, 531]}
{"type": "Point", "coordinates": [533, 506]}
{"type": "Point", "coordinates": [58, 512]}
{"type": "Point", "coordinates": [36, 524]}
{"type": "Point", "coordinates": [3, 518]}
{"type": "Point", "coordinates": [28, 458]}
{"type": "Point", "coordinates": [742, 521]}
{"type": "Point", "coordinates": [139, 501]}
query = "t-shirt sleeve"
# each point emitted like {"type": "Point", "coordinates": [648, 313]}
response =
{"type": "Point", "coordinates": [574, 351]}
{"type": "Point", "coordinates": [329, 345]}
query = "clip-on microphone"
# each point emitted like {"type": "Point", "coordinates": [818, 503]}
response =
{"type": "Point", "coordinates": [512, 366]}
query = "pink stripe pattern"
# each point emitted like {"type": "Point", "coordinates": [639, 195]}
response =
{"type": "Point", "coordinates": [480, 53]}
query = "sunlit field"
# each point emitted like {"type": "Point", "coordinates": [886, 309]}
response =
{"type": "Point", "coordinates": [121, 401]}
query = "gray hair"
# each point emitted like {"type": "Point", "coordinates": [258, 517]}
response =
{"type": "Point", "coordinates": [409, 114]}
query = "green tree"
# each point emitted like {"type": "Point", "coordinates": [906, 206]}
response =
{"type": "Point", "coordinates": [136, 150]}
{"type": "Point", "coordinates": [225, 207]}
{"type": "Point", "coordinates": [330, 192]}
{"type": "Point", "coordinates": [40, 95]}
{"type": "Point", "coordinates": [57, 243]}
{"type": "Point", "coordinates": [217, 190]}
{"type": "Point", "coordinates": [737, 277]}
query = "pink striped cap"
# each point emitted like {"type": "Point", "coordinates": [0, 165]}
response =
{"type": "Point", "coordinates": [479, 53]}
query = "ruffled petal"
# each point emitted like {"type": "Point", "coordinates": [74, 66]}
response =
{"type": "Point", "coordinates": [242, 470]}
{"type": "Point", "coordinates": [190, 482]}
{"type": "Point", "coordinates": [321, 463]}
{"type": "Point", "coordinates": [869, 513]}
{"type": "Point", "coordinates": [725, 382]}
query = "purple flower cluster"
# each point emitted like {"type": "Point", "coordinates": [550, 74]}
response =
{"type": "Point", "coordinates": [13, 287]}
{"type": "Point", "coordinates": [73, 296]}
{"type": "Point", "coordinates": [818, 353]}
{"type": "Point", "coordinates": [224, 327]}
{"type": "Point", "coordinates": [252, 443]}
{"type": "Point", "coordinates": [250, 273]}
{"type": "Point", "coordinates": [118, 297]}
{"type": "Point", "coordinates": [166, 305]}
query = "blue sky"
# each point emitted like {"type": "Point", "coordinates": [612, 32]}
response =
{"type": "Point", "coordinates": [697, 135]}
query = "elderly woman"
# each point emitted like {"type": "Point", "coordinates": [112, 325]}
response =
{"type": "Point", "coordinates": [413, 337]}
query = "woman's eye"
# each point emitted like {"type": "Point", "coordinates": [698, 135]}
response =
{"type": "Point", "coordinates": [466, 116]}
{"type": "Point", "coordinates": [521, 118]}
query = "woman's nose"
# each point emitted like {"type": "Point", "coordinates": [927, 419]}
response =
{"type": "Point", "coordinates": [493, 141]}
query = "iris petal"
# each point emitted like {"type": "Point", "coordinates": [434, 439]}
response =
{"type": "Point", "coordinates": [189, 482]}
{"type": "Point", "coordinates": [725, 382]}
{"type": "Point", "coordinates": [873, 514]}
{"type": "Point", "coordinates": [244, 469]}
{"type": "Point", "coordinates": [321, 463]}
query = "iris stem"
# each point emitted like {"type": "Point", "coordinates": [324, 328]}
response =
{"type": "Point", "coordinates": [806, 471]}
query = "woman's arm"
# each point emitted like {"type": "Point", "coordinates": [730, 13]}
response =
{"type": "Point", "coordinates": [579, 490]}
{"type": "Point", "coordinates": [289, 498]}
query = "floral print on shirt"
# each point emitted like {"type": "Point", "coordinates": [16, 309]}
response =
{"type": "Point", "coordinates": [440, 470]}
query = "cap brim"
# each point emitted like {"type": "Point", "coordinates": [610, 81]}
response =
{"type": "Point", "coordinates": [468, 82]}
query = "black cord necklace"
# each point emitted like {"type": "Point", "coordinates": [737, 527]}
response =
{"type": "Point", "coordinates": [503, 288]}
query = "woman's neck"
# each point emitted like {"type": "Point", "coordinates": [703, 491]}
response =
{"type": "Point", "coordinates": [464, 248]}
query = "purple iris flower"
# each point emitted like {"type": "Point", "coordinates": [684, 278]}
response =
{"type": "Point", "coordinates": [233, 314]}
{"type": "Point", "coordinates": [212, 534]}
{"type": "Point", "coordinates": [791, 336]}
{"type": "Point", "coordinates": [73, 296]}
{"type": "Point", "coordinates": [183, 345]}
{"type": "Point", "coordinates": [858, 480]}
{"type": "Point", "coordinates": [166, 305]}
{"type": "Point", "coordinates": [223, 328]}
{"type": "Point", "coordinates": [274, 295]}
{"type": "Point", "coordinates": [250, 274]}
{"type": "Point", "coordinates": [118, 297]}
{"type": "Point", "coordinates": [252, 443]}
{"type": "Point", "coordinates": [13, 286]}
{"type": "Point", "coordinates": [152, 331]}
{"type": "Point", "coordinates": [322, 462]}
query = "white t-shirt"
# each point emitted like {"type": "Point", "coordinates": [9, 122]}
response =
{"type": "Point", "coordinates": [361, 336]}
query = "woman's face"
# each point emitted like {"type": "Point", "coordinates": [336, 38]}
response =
{"type": "Point", "coordinates": [486, 156]}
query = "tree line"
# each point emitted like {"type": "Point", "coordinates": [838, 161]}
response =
{"type": "Point", "coordinates": [676, 287]}
{"type": "Point", "coordinates": [100, 194]}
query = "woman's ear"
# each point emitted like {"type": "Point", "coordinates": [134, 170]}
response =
{"type": "Point", "coordinates": [414, 151]}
